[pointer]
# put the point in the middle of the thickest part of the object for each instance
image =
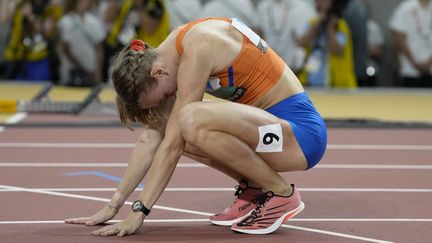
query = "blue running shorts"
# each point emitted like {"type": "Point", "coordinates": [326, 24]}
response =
{"type": "Point", "coordinates": [307, 125]}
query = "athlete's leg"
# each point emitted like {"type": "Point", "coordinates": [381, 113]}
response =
{"type": "Point", "coordinates": [196, 154]}
{"type": "Point", "coordinates": [246, 192]}
{"type": "Point", "coordinates": [228, 134]}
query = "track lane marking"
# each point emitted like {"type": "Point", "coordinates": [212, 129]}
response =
{"type": "Point", "coordinates": [335, 234]}
{"type": "Point", "coordinates": [197, 165]}
{"type": "Point", "coordinates": [16, 118]}
{"type": "Point", "coordinates": [207, 220]}
{"type": "Point", "coordinates": [228, 189]}
{"type": "Point", "coordinates": [131, 145]}
{"type": "Point", "coordinates": [109, 222]}
{"type": "Point", "coordinates": [183, 211]}
{"type": "Point", "coordinates": [98, 199]}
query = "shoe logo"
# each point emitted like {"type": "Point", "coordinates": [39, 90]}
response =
{"type": "Point", "coordinates": [245, 207]}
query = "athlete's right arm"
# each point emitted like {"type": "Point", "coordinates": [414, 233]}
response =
{"type": "Point", "coordinates": [138, 165]}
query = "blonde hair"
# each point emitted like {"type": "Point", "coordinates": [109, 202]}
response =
{"type": "Point", "coordinates": [130, 73]}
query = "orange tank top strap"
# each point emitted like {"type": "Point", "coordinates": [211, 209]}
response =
{"type": "Point", "coordinates": [188, 26]}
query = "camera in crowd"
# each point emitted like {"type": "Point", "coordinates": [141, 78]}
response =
{"type": "Point", "coordinates": [154, 8]}
{"type": "Point", "coordinates": [337, 8]}
{"type": "Point", "coordinates": [39, 6]}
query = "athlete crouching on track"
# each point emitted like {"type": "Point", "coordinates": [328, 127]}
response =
{"type": "Point", "coordinates": [269, 126]}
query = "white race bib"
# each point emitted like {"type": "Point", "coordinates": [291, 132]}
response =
{"type": "Point", "coordinates": [270, 139]}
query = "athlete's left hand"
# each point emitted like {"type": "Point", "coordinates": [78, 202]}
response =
{"type": "Point", "coordinates": [126, 227]}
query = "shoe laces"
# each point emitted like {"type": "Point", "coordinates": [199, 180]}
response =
{"type": "Point", "coordinates": [260, 201]}
{"type": "Point", "coordinates": [239, 189]}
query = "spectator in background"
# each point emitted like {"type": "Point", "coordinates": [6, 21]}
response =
{"type": "Point", "coordinates": [128, 19]}
{"type": "Point", "coordinates": [81, 51]}
{"type": "Point", "coordinates": [280, 22]}
{"type": "Point", "coordinates": [182, 11]}
{"type": "Point", "coordinates": [54, 12]}
{"type": "Point", "coordinates": [376, 48]}
{"type": "Point", "coordinates": [328, 42]}
{"type": "Point", "coordinates": [154, 23]}
{"type": "Point", "coordinates": [29, 53]}
{"type": "Point", "coordinates": [6, 7]}
{"type": "Point", "coordinates": [243, 10]}
{"type": "Point", "coordinates": [356, 15]}
{"type": "Point", "coordinates": [411, 25]}
{"type": "Point", "coordinates": [119, 20]}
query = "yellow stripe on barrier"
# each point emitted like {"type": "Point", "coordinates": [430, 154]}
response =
{"type": "Point", "coordinates": [8, 106]}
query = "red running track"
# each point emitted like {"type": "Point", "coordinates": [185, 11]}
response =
{"type": "Point", "coordinates": [373, 185]}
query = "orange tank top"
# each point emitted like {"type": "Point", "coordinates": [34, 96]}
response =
{"type": "Point", "coordinates": [252, 74]}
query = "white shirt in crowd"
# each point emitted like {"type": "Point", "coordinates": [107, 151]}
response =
{"type": "Point", "coordinates": [415, 21]}
{"type": "Point", "coordinates": [281, 21]}
{"type": "Point", "coordinates": [182, 11]}
{"type": "Point", "coordinates": [243, 10]}
{"type": "Point", "coordinates": [127, 31]}
{"type": "Point", "coordinates": [81, 34]}
{"type": "Point", "coordinates": [375, 34]}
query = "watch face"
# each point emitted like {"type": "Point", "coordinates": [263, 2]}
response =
{"type": "Point", "coordinates": [136, 206]}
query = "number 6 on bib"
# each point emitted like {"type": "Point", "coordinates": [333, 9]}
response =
{"type": "Point", "coordinates": [270, 139]}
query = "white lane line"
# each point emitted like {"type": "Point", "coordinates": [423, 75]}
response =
{"type": "Point", "coordinates": [366, 220]}
{"type": "Point", "coordinates": [228, 189]}
{"type": "Point", "coordinates": [378, 147]}
{"type": "Point", "coordinates": [335, 234]}
{"type": "Point", "coordinates": [92, 165]}
{"type": "Point", "coordinates": [67, 145]}
{"type": "Point", "coordinates": [374, 166]}
{"type": "Point", "coordinates": [109, 222]}
{"type": "Point", "coordinates": [17, 117]}
{"type": "Point", "coordinates": [365, 190]}
{"type": "Point", "coordinates": [166, 208]}
{"type": "Point", "coordinates": [362, 220]}
{"type": "Point", "coordinates": [95, 165]}
{"type": "Point", "coordinates": [197, 165]}
{"type": "Point", "coordinates": [98, 199]}
{"type": "Point", "coordinates": [131, 145]}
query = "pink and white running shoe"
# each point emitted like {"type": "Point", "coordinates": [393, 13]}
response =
{"type": "Point", "coordinates": [271, 212]}
{"type": "Point", "coordinates": [242, 206]}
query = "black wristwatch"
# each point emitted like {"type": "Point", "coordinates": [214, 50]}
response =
{"type": "Point", "coordinates": [138, 206]}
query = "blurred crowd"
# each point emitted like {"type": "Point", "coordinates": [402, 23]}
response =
{"type": "Point", "coordinates": [327, 43]}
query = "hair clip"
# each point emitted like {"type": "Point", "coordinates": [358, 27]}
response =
{"type": "Point", "coordinates": [137, 45]}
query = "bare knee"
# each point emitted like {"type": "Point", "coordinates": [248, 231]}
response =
{"type": "Point", "coordinates": [193, 122]}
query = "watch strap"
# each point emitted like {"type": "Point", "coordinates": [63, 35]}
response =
{"type": "Point", "coordinates": [142, 208]}
{"type": "Point", "coordinates": [145, 210]}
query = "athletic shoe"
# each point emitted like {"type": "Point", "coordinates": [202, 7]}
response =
{"type": "Point", "coordinates": [271, 212]}
{"type": "Point", "coordinates": [242, 206]}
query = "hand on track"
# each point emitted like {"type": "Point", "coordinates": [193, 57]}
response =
{"type": "Point", "coordinates": [100, 217]}
{"type": "Point", "coordinates": [126, 227]}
